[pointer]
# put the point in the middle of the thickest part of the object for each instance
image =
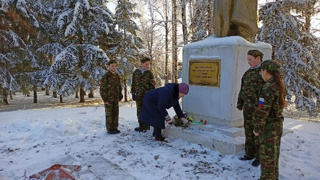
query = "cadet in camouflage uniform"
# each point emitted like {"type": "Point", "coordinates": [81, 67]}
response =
{"type": "Point", "coordinates": [251, 84]}
{"type": "Point", "coordinates": [142, 82]}
{"type": "Point", "coordinates": [110, 91]}
{"type": "Point", "coordinates": [268, 119]}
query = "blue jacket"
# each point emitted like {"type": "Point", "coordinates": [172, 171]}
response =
{"type": "Point", "coordinates": [155, 103]}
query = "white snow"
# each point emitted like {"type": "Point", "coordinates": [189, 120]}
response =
{"type": "Point", "coordinates": [33, 140]}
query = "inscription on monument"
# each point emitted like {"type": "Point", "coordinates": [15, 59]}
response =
{"type": "Point", "coordinates": [204, 72]}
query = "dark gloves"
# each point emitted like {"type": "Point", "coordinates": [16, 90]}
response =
{"type": "Point", "coordinates": [134, 97]}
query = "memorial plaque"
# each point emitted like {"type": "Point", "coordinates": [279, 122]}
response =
{"type": "Point", "coordinates": [204, 72]}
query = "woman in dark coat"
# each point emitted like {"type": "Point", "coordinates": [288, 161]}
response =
{"type": "Point", "coordinates": [155, 103]}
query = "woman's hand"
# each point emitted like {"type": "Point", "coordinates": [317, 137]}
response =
{"type": "Point", "coordinates": [168, 118]}
{"type": "Point", "coordinates": [184, 120]}
{"type": "Point", "coordinates": [256, 134]}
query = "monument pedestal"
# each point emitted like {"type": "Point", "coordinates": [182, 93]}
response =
{"type": "Point", "coordinates": [213, 68]}
{"type": "Point", "coordinates": [224, 139]}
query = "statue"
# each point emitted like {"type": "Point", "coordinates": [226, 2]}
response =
{"type": "Point", "coordinates": [236, 18]}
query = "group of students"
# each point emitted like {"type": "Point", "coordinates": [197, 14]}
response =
{"type": "Point", "coordinates": [261, 98]}
{"type": "Point", "coordinates": [151, 103]}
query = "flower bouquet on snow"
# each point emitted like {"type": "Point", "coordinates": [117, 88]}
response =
{"type": "Point", "coordinates": [193, 121]}
{"type": "Point", "coordinates": [190, 120]}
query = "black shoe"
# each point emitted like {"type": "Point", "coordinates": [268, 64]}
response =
{"type": "Point", "coordinates": [143, 130]}
{"type": "Point", "coordinates": [137, 129]}
{"type": "Point", "coordinates": [117, 131]}
{"type": "Point", "coordinates": [162, 139]}
{"type": "Point", "coordinates": [246, 158]}
{"type": "Point", "coordinates": [255, 163]}
{"type": "Point", "coordinates": [112, 132]}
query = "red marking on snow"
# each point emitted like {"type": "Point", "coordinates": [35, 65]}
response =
{"type": "Point", "coordinates": [57, 171]}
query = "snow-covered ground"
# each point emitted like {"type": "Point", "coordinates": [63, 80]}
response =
{"type": "Point", "coordinates": [33, 140]}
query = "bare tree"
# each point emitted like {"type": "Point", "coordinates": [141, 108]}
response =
{"type": "Point", "coordinates": [166, 41]}
{"type": "Point", "coordinates": [174, 42]}
{"type": "Point", "coordinates": [184, 21]}
{"type": "Point", "coordinates": [151, 32]}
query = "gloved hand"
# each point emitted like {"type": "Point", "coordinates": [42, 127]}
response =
{"type": "Point", "coordinates": [133, 96]}
{"type": "Point", "coordinates": [168, 118]}
{"type": "Point", "coordinates": [184, 120]}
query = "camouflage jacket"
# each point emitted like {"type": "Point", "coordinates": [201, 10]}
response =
{"type": "Point", "coordinates": [142, 82]}
{"type": "Point", "coordinates": [251, 84]}
{"type": "Point", "coordinates": [110, 87]}
{"type": "Point", "coordinates": [268, 113]}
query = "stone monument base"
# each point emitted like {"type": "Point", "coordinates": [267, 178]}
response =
{"type": "Point", "coordinates": [225, 139]}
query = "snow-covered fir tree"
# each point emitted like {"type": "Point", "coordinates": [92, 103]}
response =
{"type": "Point", "coordinates": [126, 52]}
{"type": "Point", "coordinates": [7, 84]}
{"type": "Point", "coordinates": [86, 27]}
{"type": "Point", "coordinates": [18, 27]}
{"type": "Point", "coordinates": [295, 47]}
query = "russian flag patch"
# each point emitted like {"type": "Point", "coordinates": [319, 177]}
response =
{"type": "Point", "coordinates": [261, 101]}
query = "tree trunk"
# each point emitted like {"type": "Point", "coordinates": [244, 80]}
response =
{"type": "Point", "coordinates": [167, 43]}
{"type": "Point", "coordinates": [5, 96]}
{"type": "Point", "coordinates": [82, 94]}
{"type": "Point", "coordinates": [11, 97]}
{"type": "Point", "coordinates": [35, 95]}
{"type": "Point", "coordinates": [47, 91]}
{"type": "Point", "coordinates": [77, 94]}
{"type": "Point", "coordinates": [184, 22]}
{"type": "Point", "coordinates": [190, 9]}
{"type": "Point", "coordinates": [174, 42]}
{"type": "Point", "coordinates": [210, 18]}
{"type": "Point", "coordinates": [125, 90]}
{"type": "Point", "coordinates": [61, 99]}
{"type": "Point", "coordinates": [150, 44]}
{"type": "Point", "coordinates": [91, 93]}
{"type": "Point", "coordinates": [28, 93]}
{"type": "Point", "coordinates": [54, 94]}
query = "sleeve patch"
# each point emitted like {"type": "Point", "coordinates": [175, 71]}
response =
{"type": "Point", "coordinates": [261, 101]}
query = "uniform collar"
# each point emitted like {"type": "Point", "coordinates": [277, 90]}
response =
{"type": "Point", "coordinates": [259, 65]}
{"type": "Point", "coordinates": [142, 71]}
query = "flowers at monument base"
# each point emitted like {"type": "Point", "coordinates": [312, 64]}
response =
{"type": "Point", "coordinates": [191, 120]}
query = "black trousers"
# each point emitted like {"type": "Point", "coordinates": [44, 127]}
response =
{"type": "Point", "coordinates": [157, 132]}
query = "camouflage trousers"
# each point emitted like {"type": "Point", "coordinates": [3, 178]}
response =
{"type": "Point", "coordinates": [269, 155]}
{"type": "Point", "coordinates": [252, 144]}
{"type": "Point", "coordinates": [112, 115]}
{"type": "Point", "coordinates": [142, 125]}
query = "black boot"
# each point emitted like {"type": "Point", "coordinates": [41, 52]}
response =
{"type": "Point", "coordinates": [255, 163]}
{"type": "Point", "coordinates": [137, 129]}
{"type": "Point", "coordinates": [246, 158]}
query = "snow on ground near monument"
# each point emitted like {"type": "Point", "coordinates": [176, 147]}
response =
{"type": "Point", "coordinates": [33, 140]}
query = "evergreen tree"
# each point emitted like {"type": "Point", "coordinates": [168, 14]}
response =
{"type": "Point", "coordinates": [295, 48]}
{"type": "Point", "coordinates": [86, 27]}
{"type": "Point", "coordinates": [127, 50]}
{"type": "Point", "coordinates": [18, 28]}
